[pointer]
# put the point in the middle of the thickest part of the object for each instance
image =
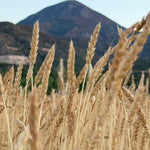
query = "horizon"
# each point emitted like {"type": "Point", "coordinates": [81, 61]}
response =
{"type": "Point", "coordinates": [131, 11]}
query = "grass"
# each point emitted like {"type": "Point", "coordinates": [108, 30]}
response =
{"type": "Point", "coordinates": [106, 113]}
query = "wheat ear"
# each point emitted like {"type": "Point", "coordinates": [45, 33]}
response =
{"type": "Point", "coordinates": [140, 25]}
{"type": "Point", "coordinates": [61, 82]}
{"type": "Point", "coordinates": [17, 82]}
{"type": "Point", "coordinates": [71, 80]}
{"type": "Point", "coordinates": [81, 76]}
{"type": "Point", "coordinates": [47, 70]}
{"type": "Point", "coordinates": [61, 67]}
{"type": "Point", "coordinates": [33, 51]}
{"type": "Point", "coordinates": [47, 124]}
{"type": "Point", "coordinates": [128, 94]}
{"type": "Point", "coordinates": [127, 78]}
{"type": "Point", "coordinates": [137, 126]}
{"type": "Point", "coordinates": [131, 56]}
{"type": "Point", "coordinates": [7, 76]}
{"type": "Point", "coordinates": [120, 51]}
{"type": "Point", "coordinates": [132, 86]}
{"type": "Point", "coordinates": [119, 31]}
{"type": "Point", "coordinates": [147, 87]}
{"type": "Point", "coordinates": [99, 67]}
{"type": "Point", "coordinates": [61, 75]}
{"type": "Point", "coordinates": [42, 68]}
{"type": "Point", "coordinates": [138, 100]}
{"type": "Point", "coordinates": [142, 118]}
{"type": "Point", "coordinates": [145, 137]}
{"type": "Point", "coordinates": [44, 84]}
{"type": "Point", "coordinates": [70, 65]}
{"type": "Point", "coordinates": [92, 43]}
{"type": "Point", "coordinates": [9, 86]}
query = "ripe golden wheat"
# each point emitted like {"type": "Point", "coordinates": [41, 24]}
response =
{"type": "Point", "coordinates": [105, 115]}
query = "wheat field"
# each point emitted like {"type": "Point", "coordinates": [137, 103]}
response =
{"type": "Point", "coordinates": [106, 114]}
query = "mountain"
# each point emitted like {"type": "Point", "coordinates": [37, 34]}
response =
{"type": "Point", "coordinates": [59, 24]}
{"type": "Point", "coordinates": [16, 39]}
{"type": "Point", "coordinates": [72, 19]}
{"type": "Point", "coordinates": [15, 44]}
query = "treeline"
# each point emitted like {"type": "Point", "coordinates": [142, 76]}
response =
{"type": "Point", "coordinates": [53, 82]}
{"type": "Point", "coordinates": [139, 66]}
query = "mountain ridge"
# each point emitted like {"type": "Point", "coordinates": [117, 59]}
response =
{"type": "Point", "coordinates": [15, 39]}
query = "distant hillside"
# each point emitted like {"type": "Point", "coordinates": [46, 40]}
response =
{"type": "Point", "coordinates": [15, 41]}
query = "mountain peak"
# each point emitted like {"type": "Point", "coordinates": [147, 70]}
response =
{"type": "Point", "coordinates": [72, 2]}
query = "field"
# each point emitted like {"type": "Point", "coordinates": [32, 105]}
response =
{"type": "Point", "coordinates": [94, 110]}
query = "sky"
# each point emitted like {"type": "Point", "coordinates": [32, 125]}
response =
{"type": "Point", "coordinates": [123, 12]}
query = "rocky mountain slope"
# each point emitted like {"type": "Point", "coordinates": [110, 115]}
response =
{"type": "Point", "coordinates": [15, 41]}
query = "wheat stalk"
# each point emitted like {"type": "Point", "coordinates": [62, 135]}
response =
{"type": "Point", "coordinates": [35, 141]}
{"type": "Point", "coordinates": [92, 43]}
{"type": "Point", "coordinates": [17, 82]}
{"type": "Point", "coordinates": [131, 56]}
{"type": "Point", "coordinates": [33, 51]}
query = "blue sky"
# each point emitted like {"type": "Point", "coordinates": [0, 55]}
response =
{"type": "Point", "coordinates": [124, 12]}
